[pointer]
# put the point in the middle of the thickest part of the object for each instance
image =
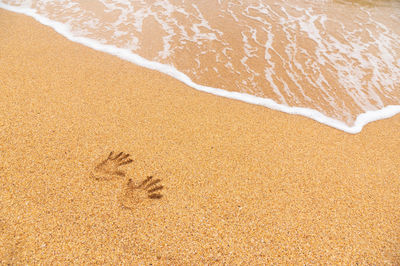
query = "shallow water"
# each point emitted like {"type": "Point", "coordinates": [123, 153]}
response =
{"type": "Point", "coordinates": [338, 57]}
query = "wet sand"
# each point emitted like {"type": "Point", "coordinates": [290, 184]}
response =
{"type": "Point", "coordinates": [242, 183]}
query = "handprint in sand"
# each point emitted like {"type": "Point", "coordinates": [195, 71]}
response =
{"type": "Point", "coordinates": [134, 194]}
{"type": "Point", "coordinates": [110, 167]}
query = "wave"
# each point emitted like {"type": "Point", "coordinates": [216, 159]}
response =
{"type": "Point", "coordinates": [128, 55]}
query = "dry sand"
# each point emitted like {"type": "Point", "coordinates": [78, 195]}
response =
{"type": "Point", "coordinates": [242, 183]}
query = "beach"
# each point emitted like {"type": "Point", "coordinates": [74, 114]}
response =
{"type": "Point", "coordinates": [242, 184]}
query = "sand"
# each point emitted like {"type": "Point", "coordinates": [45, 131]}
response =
{"type": "Point", "coordinates": [240, 183]}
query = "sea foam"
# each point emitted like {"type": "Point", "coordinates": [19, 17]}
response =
{"type": "Point", "coordinates": [128, 55]}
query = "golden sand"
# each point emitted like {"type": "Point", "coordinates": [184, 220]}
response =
{"type": "Point", "coordinates": [241, 183]}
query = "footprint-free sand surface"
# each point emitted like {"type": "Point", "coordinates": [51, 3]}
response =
{"type": "Point", "coordinates": [241, 183]}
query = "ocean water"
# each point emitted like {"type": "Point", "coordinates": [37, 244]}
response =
{"type": "Point", "coordinates": [335, 61]}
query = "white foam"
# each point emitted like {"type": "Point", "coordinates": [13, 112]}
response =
{"type": "Point", "coordinates": [126, 54]}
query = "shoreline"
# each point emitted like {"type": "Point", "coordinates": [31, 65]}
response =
{"type": "Point", "coordinates": [360, 121]}
{"type": "Point", "coordinates": [242, 183]}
